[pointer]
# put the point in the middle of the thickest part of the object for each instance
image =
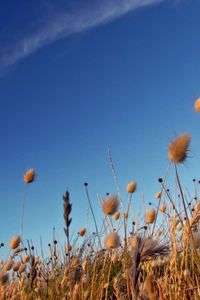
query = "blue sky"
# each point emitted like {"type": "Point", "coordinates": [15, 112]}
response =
{"type": "Point", "coordinates": [78, 78]}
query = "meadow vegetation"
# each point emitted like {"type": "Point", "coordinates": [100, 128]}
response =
{"type": "Point", "coordinates": [155, 256]}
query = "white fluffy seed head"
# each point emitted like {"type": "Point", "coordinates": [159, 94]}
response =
{"type": "Point", "coordinates": [110, 205]}
{"type": "Point", "coordinates": [112, 241]}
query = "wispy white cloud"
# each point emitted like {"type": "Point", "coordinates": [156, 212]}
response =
{"type": "Point", "coordinates": [66, 23]}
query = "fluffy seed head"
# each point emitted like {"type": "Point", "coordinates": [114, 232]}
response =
{"type": "Point", "coordinates": [82, 232]}
{"type": "Point", "coordinates": [158, 195]}
{"type": "Point", "coordinates": [131, 187]}
{"type": "Point", "coordinates": [25, 259]}
{"type": "Point", "coordinates": [126, 215]}
{"type": "Point", "coordinates": [116, 216]}
{"type": "Point", "coordinates": [29, 176]}
{"type": "Point", "coordinates": [163, 208]}
{"type": "Point", "coordinates": [16, 266]}
{"type": "Point", "coordinates": [22, 268]}
{"type": "Point", "coordinates": [68, 248]}
{"type": "Point", "coordinates": [197, 105]}
{"type": "Point", "coordinates": [110, 205]}
{"type": "Point", "coordinates": [112, 241]}
{"type": "Point", "coordinates": [15, 241]}
{"type": "Point", "coordinates": [8, 265]}
{"type": "Point", "coordinates": [150, 216]}
{"type": "Point", "coordinates": [178, 149]}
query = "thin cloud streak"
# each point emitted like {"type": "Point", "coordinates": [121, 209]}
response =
{"type": "Point", "coordinates": [65, 24]}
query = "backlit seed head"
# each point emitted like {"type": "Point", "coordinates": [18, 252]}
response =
{"type": "Point", "coordinates": [8, 265]}
{"type": "Point", "coordinates": [68, 248]}
{"type": "Point", "coordinates": [131, 187]}
{"type": "Point", "coordinates": [116, 216]}
{"type": "Point", "coordinates": [163, 208]}
{"type": "Point", "coordinates": [110, 205]}
{"type": "Point", "coordinates": [22, 268]}
{"type": "Point", "coordinates": [29, 176]}
{"type": "Point", "coordinates": [178, 149]}
{"type": "Point", "coordinates": [197, 105]}
{"type": "Point", "coordinates": [158, 195]}
{"type": "Point", "coordinates": [25, 259]}
{"type": "Point", "coordinates": [112, 241]}
{"type": "Point", "coordinates": [150, 216]}
{"type": "Point", "coordinates": [15, 241]}
{"type": "Point", "coordinates": [125, 215]}
{"type": "Point", "coordinates": [82, 232]}
{"type": "Point", "coordinates": [16, 266]}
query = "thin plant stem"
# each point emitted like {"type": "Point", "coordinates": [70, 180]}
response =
{"type": "Point", "coordinates": [95, 223]}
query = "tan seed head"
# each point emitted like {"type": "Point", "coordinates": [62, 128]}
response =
{"type": "Point", "coordinates": [15, 241]}
{"type": "Point", "coordinates": [82, 232]}
{"type": "Point", "coordinates": [22, 268]}
{"type": "Point", "coordinates": [150, 216]}
{"type": "Point", "coordinates": [131, 187]}
{"type": "Point", "coordinates": [163, 208]}
{"type": "Point", "coordinates": [158, 195]}
{"type": "Point", "coordinates": [16, 266]}
{"type": "Point", "coordinates": [29, 176]}
{"type": "Point", "coordinates": [110, 205]}
{"type": "Point", "coordinates": [197, 105]}
{"type": "Point", "coordinates": [8, 265]}
{"type": "Point", "coordinates": [25, 259]}
{"type": "Point", "coordinates": [116, 216]}
{"type": "Point", "coordinates": [112, 241]}
{"type": "Point", "coordinates": [178, 149]}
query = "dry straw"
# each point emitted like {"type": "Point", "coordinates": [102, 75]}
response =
{"type": "Point", "coordinates": [110, 205]}
{"type": "Point", "coordinates": [178, 149]}
{"type": "Point", "coordinates": [131, 187]}
{"type": "Point", "coordinates": [112, 241]}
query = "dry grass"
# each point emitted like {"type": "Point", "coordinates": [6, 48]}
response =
{"type": "Point", "coordinates": [154, 257]}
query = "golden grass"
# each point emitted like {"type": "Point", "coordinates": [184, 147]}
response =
{"type": "Point", "coordinates": [154, 257]}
